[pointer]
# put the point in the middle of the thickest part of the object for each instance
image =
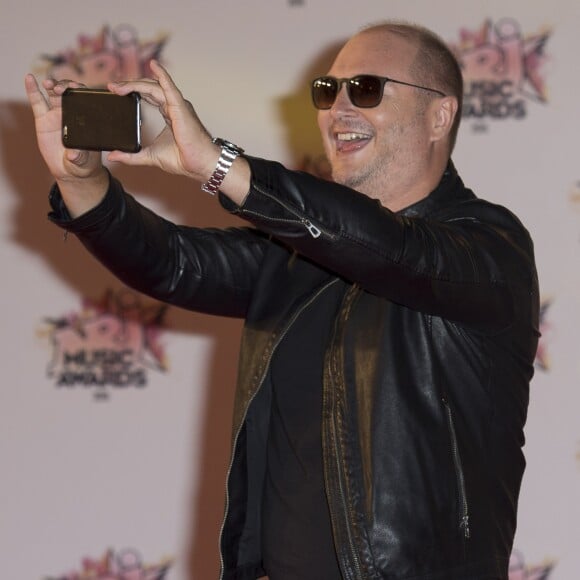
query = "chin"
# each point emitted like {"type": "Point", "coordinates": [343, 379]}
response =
{"type": "Point", "coordinates": [344, 177]}
{"type": "Point", "coordinates": [351, 180]}
{"type": "Point", "coordinates": [350, 173]}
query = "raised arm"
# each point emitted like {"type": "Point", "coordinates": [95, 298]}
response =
{"type": "Point", "coordinates": [183, 147]}
{"type": "Point", "coordinates": [80, 175]}
{"type": "Point", "coordinates": [451, 254]}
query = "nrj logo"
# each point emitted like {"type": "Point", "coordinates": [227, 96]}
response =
{"type": "Point", "coordinates": [502, 70]}
{"type": "Point", "coordinates": [110, 55]}
{"type": "Point", "coordinates": [125, 565]}
{"type": "Point", "coordinates": [110, 344]}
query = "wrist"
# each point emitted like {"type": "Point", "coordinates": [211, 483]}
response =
{"type": "Point", "coordinates": [81, 194]}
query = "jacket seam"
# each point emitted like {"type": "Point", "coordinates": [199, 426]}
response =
{"type": "Point", "coordinates": [298, 212]}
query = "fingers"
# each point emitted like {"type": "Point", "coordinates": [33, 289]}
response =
{"type": "Point", "coordinates": [158, 90]}
{"type": "Point", "coordinates": [144, 86]}
{"type": "Point", "coordinates": [148, 89]}
{"type": "Point", "coordinates": [37, 100]}
{"type": "Point", "coordinates": [166, 82]}
{"type": "Point", "coordinates": [40, 102]}
{"type": "Point", "coordinates": [54, 87]}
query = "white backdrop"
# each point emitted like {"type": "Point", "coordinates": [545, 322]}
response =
{"type": "Point", "coordinates": [114, 413]}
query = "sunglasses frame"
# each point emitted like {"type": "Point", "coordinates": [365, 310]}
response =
{"type": "Point", "coordinates": [349, 84]}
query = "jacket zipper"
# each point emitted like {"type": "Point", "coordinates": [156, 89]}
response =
{"type": "Point", "coordinates": [341, 492]}
{"type": "Point", "coordinates": [235, 442]}
{"type": "Point", "coordinates": [313, 230]}
{"type": "Point", "coordinates": [464, 522]}
{"type": "Point", "coordinates": [343, 502]}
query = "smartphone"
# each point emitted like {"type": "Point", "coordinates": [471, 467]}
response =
{"type": "Point", "coordinates": [98, 120]}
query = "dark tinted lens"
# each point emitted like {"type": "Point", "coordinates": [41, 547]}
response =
{"type": "Point", "coordinates": [324, 91]}
{"type": "Point", "coordinates": [365, 91]}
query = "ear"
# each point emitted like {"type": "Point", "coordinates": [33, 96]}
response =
{"type": "Point", "coordinates": [443, 111]}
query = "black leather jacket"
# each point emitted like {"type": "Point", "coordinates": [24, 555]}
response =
{"type": "Point", "coordinates": [426, 374]}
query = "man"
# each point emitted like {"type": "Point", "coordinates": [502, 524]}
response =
{"type": "Point", "coordinates": [390, 319]}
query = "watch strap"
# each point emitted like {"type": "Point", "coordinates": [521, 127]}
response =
{"type": "Point", "coordinates": [227, 156]}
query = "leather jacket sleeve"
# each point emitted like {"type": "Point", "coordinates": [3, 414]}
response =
{"type": "Point", "coordinates": [450, 255]}
{"type": "Point", "coordinates": [208, 270]}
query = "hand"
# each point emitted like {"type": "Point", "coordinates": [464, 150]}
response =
{"type": "Point", "coordinates": [64, 164]}
{"type": "Point", "coordinates": [184, 146]}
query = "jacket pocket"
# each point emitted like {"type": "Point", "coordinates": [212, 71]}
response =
{"type": "Point", "coordinates": [459, 474]}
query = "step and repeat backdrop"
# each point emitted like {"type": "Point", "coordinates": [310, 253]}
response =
{"type": "Point", "coordinates": [114, 409]}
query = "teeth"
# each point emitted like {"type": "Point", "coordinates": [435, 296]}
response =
{"type": "Point", "coordinates": [351, 136]}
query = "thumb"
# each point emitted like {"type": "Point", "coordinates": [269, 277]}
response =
{"type": "Point", "coordinates": [77, 156]}
{"type": "Point", "coordinates": [127, 158]}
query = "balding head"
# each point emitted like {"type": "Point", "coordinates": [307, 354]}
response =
{"type": "Point", "coordinates": [433, 65]}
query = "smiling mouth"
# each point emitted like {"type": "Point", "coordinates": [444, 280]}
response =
{"type": "Point", "coordinates": [346, 142]}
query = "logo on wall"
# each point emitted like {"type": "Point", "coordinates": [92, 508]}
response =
{"type": "Point", "coordinates": [502, 70]}
{"type": "Point", "coordinates": [519, 571]}
{"type": "Point", "coordinates": [112, 54]}
{"type": "Point", "coordinates": [542, 361]}
{"type": "Point", "coordinates": [112, 344]}
{"type": "Point", "coordinates": [127, 564]}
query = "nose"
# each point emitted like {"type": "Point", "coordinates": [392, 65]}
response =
{"type": "Point", "coordinates": [342, 101]}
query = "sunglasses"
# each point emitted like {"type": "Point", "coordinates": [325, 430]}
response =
{"type": "Point", "coordinates": [364, 91]}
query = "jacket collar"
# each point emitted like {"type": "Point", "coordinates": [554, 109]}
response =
{"type": "Point", "coordinates": [449, 190]}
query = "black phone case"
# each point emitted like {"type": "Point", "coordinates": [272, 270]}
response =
{"type": "Point", "coordinates": [99, 120]}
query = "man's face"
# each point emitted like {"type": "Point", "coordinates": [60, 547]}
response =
{"type": "Point", "coordinates": [380, 150]}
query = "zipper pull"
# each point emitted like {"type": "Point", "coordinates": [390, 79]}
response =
{"type": "Point", "coordinates": [314, 231]}
{"type": "Point", "coordinates": [465, 526]}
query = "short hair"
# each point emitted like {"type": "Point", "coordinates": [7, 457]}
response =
{"type": "Point", "coordinates": [434, 66]}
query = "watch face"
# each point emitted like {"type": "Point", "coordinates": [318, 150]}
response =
{"type": "Point", "coordinates": [228, 145]}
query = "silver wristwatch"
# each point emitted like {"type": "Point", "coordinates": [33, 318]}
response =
{"type": "Point", "coordinates": [227, 156]}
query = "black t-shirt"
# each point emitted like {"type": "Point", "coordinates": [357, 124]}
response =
{"type": "Point", "coordinates": [297, 536]}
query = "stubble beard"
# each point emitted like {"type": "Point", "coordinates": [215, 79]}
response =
{"type": "Point", "coordinates": [369, 180]}
{"type": "Point", "coordinates": [378, 179]}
